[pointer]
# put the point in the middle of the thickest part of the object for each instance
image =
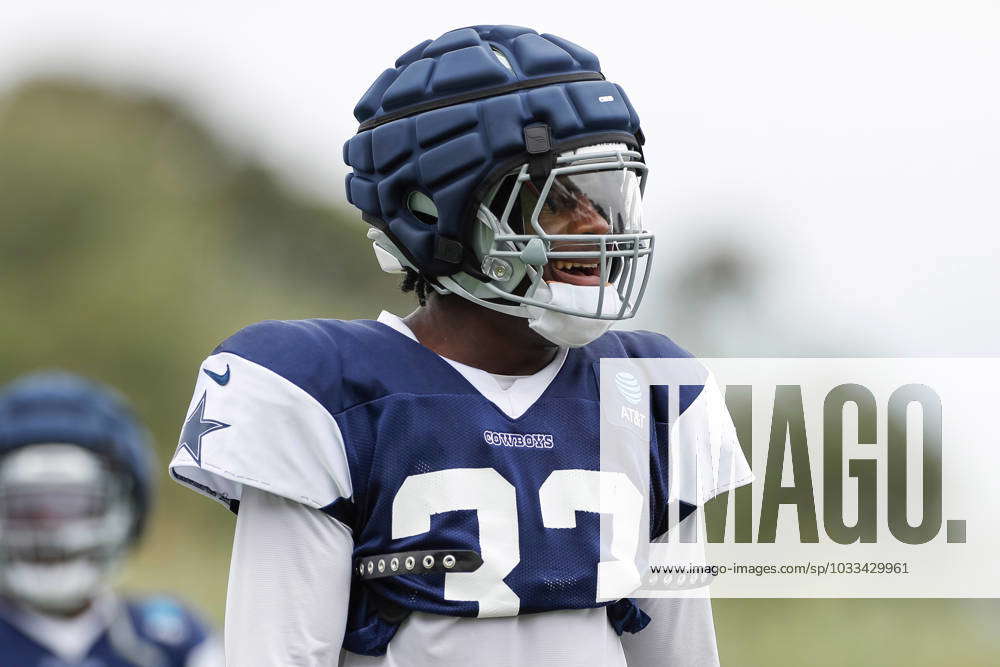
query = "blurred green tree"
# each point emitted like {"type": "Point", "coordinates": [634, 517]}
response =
{"type": "Point", "coordinates": [131, 243]}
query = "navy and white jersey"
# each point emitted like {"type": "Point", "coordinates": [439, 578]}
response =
{"type": "Point", "coordinates": [152, 632]}
{"type": "Point", "coordinates": [360, 421]}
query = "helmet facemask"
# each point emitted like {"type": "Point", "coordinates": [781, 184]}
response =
{"type": "Point", "coordinates": [65, 520]}
{"type": "Point", "coordinates": [581, 226]}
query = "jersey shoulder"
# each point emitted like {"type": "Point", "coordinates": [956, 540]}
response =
{"type": "Point", "coordinates": [169, 624]}
{"type": "Point", "coordinates": [310, 354]}
{"type": "Point", "coordinates": [342, 363]}
{"type": "Point", "coordinates": [649, 344]}
{"type": "Point", "coordinates": [273, 340]}
{"type": "Point", "coordinates": [301, 351]}
{"type": "Point", "coordinates": [689, 376]}
{"type": "Point", "coordinates": [264, 411]}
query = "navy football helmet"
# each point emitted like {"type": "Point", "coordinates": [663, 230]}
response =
{"type": "Point", "coordinates": [497, 163]}
{"type": "Point", "coordinates": [75, 487]}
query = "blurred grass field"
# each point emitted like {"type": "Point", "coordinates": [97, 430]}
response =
{"type": "Point", "coordinates": [132, 242]}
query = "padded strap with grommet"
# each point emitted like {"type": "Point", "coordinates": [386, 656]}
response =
{"type": "Point", "coordinates": [418, 562]}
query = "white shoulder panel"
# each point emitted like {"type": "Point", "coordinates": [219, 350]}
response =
{"type": "Point", "coordinates": [248, 426]}
{"type": "Point", "coordinates": [705, 452]}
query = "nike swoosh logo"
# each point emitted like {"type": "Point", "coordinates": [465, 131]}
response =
{"type": "Point", "coordinates": [221, 379]}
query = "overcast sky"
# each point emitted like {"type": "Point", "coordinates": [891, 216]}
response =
{"type": "Point", "coordinates": [855, 146]}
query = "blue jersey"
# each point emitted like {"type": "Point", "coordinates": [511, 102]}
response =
{"type": "Point", "coordinates": [456, 507]}
{"type": "Point", "coordinates": [154, 632]}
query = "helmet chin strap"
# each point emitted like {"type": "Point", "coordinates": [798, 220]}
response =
{"type": "Point", "coordinates": [561, 328]}
{"type": "Point", "coordinates": [568, 330]}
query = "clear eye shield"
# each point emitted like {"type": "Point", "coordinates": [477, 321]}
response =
{"type": "Point", "coordinates": [57, 501]}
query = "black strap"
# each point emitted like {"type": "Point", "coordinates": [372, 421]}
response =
{"type": "Point", "coordinates": [417, 562]}
{"type": "Point", "coordinates": [541, 159]}
{"type": "Point", "coordinates": [447, 250]}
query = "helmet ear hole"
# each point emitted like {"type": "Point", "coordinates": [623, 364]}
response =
{"type": "Point", "coordinates": [422, 207]}
{"type": "Point", "coordinates": [501, 57]}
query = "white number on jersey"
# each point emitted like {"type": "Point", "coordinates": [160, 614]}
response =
{"type": "Point", "coordinates": [493, 498]}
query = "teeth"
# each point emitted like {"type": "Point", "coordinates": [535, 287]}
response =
{"type": "Point", "coordinates": [564, 265]}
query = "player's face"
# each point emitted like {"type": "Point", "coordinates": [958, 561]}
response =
{"type": "Point", "coordinates": [63, 520]}
{"type": "Point", "coordinates": [567, 210]}
{"type": "Point", "coordinates": [588, 204]}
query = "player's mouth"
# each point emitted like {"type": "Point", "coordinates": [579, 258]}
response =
{"type": "Point", "coordinates": [573, 271]}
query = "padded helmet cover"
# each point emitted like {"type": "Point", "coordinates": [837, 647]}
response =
{"type": "Point", "coordinates": [450, 118]}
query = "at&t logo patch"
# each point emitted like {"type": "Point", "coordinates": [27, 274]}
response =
{"type": "Point", "coordinates": [628, 387]}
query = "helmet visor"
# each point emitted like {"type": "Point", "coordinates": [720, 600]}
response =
{"type": "Point", "coordinates": [52, 523]}
{"type": "Point", "coordinates": [57, 502]}
{"type": "Point", "coordinates": [602, 202]}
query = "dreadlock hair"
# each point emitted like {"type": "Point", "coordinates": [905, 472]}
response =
{"type": "Point", "coordinates": [414, 282]}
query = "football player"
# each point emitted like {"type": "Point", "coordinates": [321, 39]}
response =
{"type": "Point", "coordinates": [75, 489]}
{"type": "Point", "coordinates": [431, 490]}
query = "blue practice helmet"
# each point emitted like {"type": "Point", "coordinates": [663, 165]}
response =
{"type": "Point", "coordinates": [493, 160]}
{"type": "Point", "coordinates": [56, 407]}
